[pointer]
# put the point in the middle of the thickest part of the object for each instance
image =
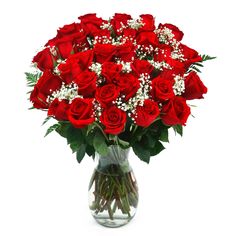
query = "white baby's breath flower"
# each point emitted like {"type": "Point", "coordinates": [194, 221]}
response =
{"type": "Point", "coordinates": [179, 86]}
{"type": "Point", "coordinates": [68, 92]}
{"type": "Point", "coordinates": [96, 67]}
{"type": "Point", "coordinates": [138, 99]}
{"type": "Point", "coordinates": [135, 23]}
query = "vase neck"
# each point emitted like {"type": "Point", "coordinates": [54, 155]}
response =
{"type": "Point", "coordinates": [116, 156]}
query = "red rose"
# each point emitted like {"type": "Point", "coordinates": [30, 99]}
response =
{"type": "Point", "coordinates": [129, 33]}
{"type": "Point", "coordinates": [142, 66]}
{"type": "Point", "coordinates": [128, 84]}
{"type": "Point", "coordinates": [147, 38]}
{"type": "Point", "coordinates": [175, 112]}
{"type": "Point", "coordinates": [110, 71]}
{"type": "Point", "coordinates": [64, 46]}
{"type": "Point", "coordinates": [83, 59]}
{"type": "Point", "coordinates": [91, 23]}
{"type": "Point", "coordinates": [58, 109]}
{"type": "Point", "coordinates": [162, 89]}
{"type": "Point", "coordinates": [190, 55]}
{"type": "Point", "coordinates": [164, 53]}
{"type": "Point", "coordinates": [44, 87]}
{"type": "Point", "coordinates": [107, 94]}
{"type": "Point", "coordinates": [38, 99]}
{"type": "Point", "coordinates": [103, 33]}
{"type": "Point", "coordinates": [170, 74]}
{"type": "Point", "coordinates": [67, 37]}
{"type": "Point", "coordinates": [70, 38]}
{"type": "Point", "coordinates": [113, 119]}
{"type": "Point", "coordinates": [80, 113]}
{"type": "Point", "coordinates": [148, 21]}
{"type": "Point", "coordinates": [68, 29]}
{"type": "Point", "coordinates": [194, 87]}
{"type": "Point", "coordinates": [86, 82]}
{"type": "Point", "coordinates": [68, 71]}
{"type": "Point", "coordinates": [74, 65]}
{"type": "Point", "coordinates": [44, 60]}
{"type": "Point", "coordinates": [80, 41]}
{"type": "Point", "coordinates": [147, 113]}
{"type": "Point", "coordinates": [118, 21]}
{"type": "Point", "coordinates": [178, 34]}
{"type": "Point", "coordinates": [125, 52]}
{"type": "Point", "coordinates": [48, 83]}
{"type": "Point", "coordinates": [104, 52]}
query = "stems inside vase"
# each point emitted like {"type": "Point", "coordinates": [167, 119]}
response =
{"type": "Point", "coordinates": [113, 188]}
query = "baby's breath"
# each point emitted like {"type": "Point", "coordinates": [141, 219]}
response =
{"type": "Point", "coordinates": [68, 92]}
{"type": "Point", "coordinates": [135, 23]}
{"type": "Point", "coordinates": [138, 99]}
{"type": "Point", "coordinates": [96, 67]}
{"type": "Point", "coordinates": [126, 66]}
{"type": "Point", "coordinates": [179, 86]}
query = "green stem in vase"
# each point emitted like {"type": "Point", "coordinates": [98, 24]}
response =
{"type": "Point", "coordinates": [113, 192]}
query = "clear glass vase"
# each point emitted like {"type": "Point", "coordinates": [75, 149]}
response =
{"type": "Point", "coordinates": [113, 191]}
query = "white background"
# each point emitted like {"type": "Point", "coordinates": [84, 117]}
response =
{"type": "Point", "coordinates": [188, 190]}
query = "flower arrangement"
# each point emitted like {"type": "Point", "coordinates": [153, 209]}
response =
{"type": "Point", "coordinates": [121, 82]}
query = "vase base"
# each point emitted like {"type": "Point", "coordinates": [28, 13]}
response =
{"type": "Point", "coordinates": [115, 223]}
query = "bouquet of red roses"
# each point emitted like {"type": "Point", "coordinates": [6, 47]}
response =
{"type": "Point", "coordinates": [121, 81]}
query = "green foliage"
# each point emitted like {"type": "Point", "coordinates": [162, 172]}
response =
{"type": "Point", "coordinates": [207, 57]}
{"type": "Point", "coordinates": [157, 148]}
{"type": "Point", "coordinates": [146, 142]}
{"type": "Point", "coordinates": [195, 66]}
{"type": "Point", "coordinates": [51, 128]}
{"type": "Point", "coordinates": [178, 129]}
{"type": "Point", "coordinates": [80, 152]}
{"type": "Point", "coordinates": [32, 78]}
{"type": "Point", "coordinates": [142, 152]}
{"type": "Point", "coordinates": [164, 134]}
{"type": "Point", "coordinates": [46, 120]}
{"type": "Point", "coordinates": [99, 143]}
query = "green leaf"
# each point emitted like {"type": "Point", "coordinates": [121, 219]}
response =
{"type": "Point", "coordinates": [89, 138]}
{"type": "Point", "coordinates": [193, 67]}
{"type": "Point", "coordinates": [46, 120]}
{"type": "Point", "coordinates": [198, 64]}
{"type": "Point", "coordinates": [75, 146]}
{"type": "Point", "coordinates": [164, 134]}
{"type": "Point", "coordinates": [157, 148]}
{"type": "Point", "coordinates": [32, 78]}
{"type": "Point", "coordinates": [90, 128]}
{"type": "Point", "coordinates": [90, 150]}
{"type": "Point", "coordinates": [100, 144]}
{"type": "Point", "coordinates": [207, 57]}
{"type": "Point", "coordinates": [137, 134]}
{"type": "Point", "coordinates": [149, 140]}
{"type": "Point", "coordinates": [178, 129]}
{"type": "Point", "coordinates": [74, 135]}
{"type": "Point", "coordinates": [74, 138]}
{"type": "Point", "coordinates": [63, 129]}
{"type": "Point", "coordinates": [142, 153]}
{"type": "Point", "coordinates": [52, 128]}
{"type": "Point", "coordinates": [80, 153]}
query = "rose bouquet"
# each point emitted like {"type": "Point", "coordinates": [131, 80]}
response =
{"type": "Point", "coordinates": [113, 85]}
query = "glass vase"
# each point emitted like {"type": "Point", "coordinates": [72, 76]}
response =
{"type": "Point", "coordinates": [113, 191]}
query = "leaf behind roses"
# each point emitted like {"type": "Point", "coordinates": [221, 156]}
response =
{"type": "Point", "coordinates": [100, 144]}
{"type": "Point", "coordinates": [51, 129]}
